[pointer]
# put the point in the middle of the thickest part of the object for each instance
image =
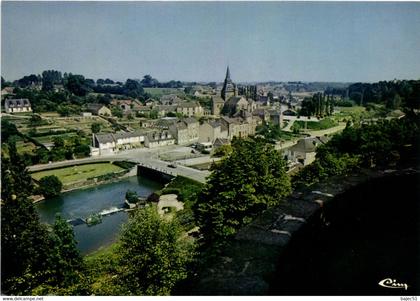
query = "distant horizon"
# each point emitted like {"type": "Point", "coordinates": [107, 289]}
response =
{"type": "Point", "coordinates": [345, 42]}
{"type": "Point", "coordinates": [220, 81]}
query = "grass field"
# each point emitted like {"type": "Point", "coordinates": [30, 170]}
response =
{"type": "Point", "coordinates": [354, 109]}
{"type": "Point", "coordinates": [287, 136]}
{"type": "Point", "coordinates": [158, 92]}
{"type": "Point", "coordinates": [78, 173]}
{"type": "Point", "coordinates": [314, 125]}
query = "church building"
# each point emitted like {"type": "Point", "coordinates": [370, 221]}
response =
{"type": "Point", "coordinates": [229, 88]}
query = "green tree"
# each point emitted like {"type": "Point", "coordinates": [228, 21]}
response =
{"type": "Point", "coordinates": [50, 186]}
{"type": "Point", "coordinates": [35, 120]}
{"type": "Point", "coordinates": [64, 111]}
{"type": "Point", "coordinates": [82, 150]}
{"type": "Point", "coordinates": [394, 102]}
{"type": "Point", "coordinates": [42, 155]}
{"type": "Point", "coordinates": [149, 82]}
{"type": "Point", "coordinates": [58, 154]}
{"type": "Point", "coordinates": [67, 247]}
{"type": "Point", "coordinates": [25, 242]}
{"type": "Point", "coordinates": [133, 88]}
{"type": "Point", "coordinates": [8, 129]}
{"type": "Point", "coordinates": [131, 196]}
{"type": "Point", "coordinates": [270, 131]}
{"type": "Point", "coordinates": [242, 185]}
{"type": "Point", "coordinates": [153, 254]}
{"type": "Point", "coordinates": [49, 78]}
{"type": "Point", "coordinates": [222, 151]}
{"type": "Point", "coordinates": [117, 111]}
{"type": "Point", "coordinates": [95, 127]}
{"type": "Point", "coordinates": [76, 84]}
{"type": "Point", "coordinates": [154, 114]}
{"type": "Point", "coordinates": [58, 142]}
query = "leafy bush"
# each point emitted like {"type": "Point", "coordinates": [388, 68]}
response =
{"type": "Point", "coordinates": [171, 191]}
{"type": "Point", "coordinates": [186, 189]}
{"type": "Point", "coordinates": [153, 250]}
{"type": "Point", "coordinates": [345, 103]}
{"type": "Point", "coordinates": [124, 164]}
{"type": "Point", "coordinates": [383, 143]}
{"type": "Point", "coordinates": [131, 196]}
{"type": "Point", "coordinates": [50, 186]}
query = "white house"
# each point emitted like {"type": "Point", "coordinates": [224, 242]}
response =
{"type": "Point", "coordinates": [304, 151]}
{"type": "Point", "coordinates": [17, 105]}
{"type": "Point", "coordinates": [156, 139]}
{"type": "Point", "coordinates": [111, 143]}
{"type": "Point", "coordinates": [105, 143]}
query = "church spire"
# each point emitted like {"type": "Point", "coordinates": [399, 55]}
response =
{"type": "Point", "coordinates": [229, 88]}
{"type": "Point", "coordinates": [227, 73]}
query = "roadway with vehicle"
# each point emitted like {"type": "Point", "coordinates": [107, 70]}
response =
{"type": "Point", "coordinates": [143, 156]}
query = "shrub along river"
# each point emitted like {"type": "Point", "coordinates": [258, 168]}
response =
{"type": "Point", "coordinates": [80, 204]}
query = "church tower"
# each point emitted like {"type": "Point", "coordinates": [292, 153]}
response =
{"type": "Point", "coordinates": [229, 88]}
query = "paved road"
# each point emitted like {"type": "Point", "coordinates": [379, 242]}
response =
{"type": "Point", "coordinates": [198, 160]}
{"type": "Point", "coordinates": [329, 131]}
{"type": "Point", "coordinates": [144, 156]}
{"type": "Point", "coordinates": [150, 158]}
{"type": "Point", "coordinates": [287, 144]}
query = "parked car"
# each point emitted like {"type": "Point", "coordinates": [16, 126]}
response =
{"type": "Point", "coordinates": [172, 165]}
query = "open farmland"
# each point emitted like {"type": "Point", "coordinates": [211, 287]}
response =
{"type": "Point", "coordinates": [24, 147]}
{"type": "Point", "coordinates": [83, 123]}
{"type": "Point", "coordinates": [65, 127]}
{"type": "Point", "coordinates": [158, 92]}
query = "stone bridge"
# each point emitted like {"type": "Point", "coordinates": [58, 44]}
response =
{"type": "Point", "coordinates": [143, 157]}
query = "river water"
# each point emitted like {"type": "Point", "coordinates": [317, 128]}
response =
{"type": "Point", "coordinates": [84, 202]}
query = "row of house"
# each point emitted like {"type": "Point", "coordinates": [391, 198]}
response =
{"type": "Point", "coordinates": [167, 104]}
{"type": "Point", "coordinates": [185, 131]}
{"type": "Point", "coordinates": [105, 144]}
{"type": "Point", "coordinates": [189, 109]}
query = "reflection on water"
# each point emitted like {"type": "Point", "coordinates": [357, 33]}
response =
{"type": "Point", "coordinates": [84, 202]}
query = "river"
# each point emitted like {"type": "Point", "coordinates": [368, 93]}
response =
{"type": "Point", "coordinates": [84, 202]}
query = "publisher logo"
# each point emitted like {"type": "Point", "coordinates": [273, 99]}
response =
{"type": "Point", "coordinates": [392, 283]}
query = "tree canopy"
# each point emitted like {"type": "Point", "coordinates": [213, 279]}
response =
{"type": "Point", "coordinates": [153, 255]}
{"type": "Point", "coordinates": [391, 93]}
{"type": "Point", "coordinates": [50, 186]}
{"type": "Point", "coordinates": [247, 181]}
{"type": "Point", "coordinates": [33, 255]}
{"type": "Point", "coordinates": [76, 84]}
{"type": "Point", "coordinates": [383, 143]}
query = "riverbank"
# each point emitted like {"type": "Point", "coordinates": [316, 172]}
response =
{"type": "Point", "coordinates": [103, 179]}
{"type": "Point", "coordinates": [82, 203]}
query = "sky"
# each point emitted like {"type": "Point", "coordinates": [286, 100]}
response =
{"type": "Point", "coordinates": [195, 41]}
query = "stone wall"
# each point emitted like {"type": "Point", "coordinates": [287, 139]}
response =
{"type": "Point", "coordinates": [248, 264]}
